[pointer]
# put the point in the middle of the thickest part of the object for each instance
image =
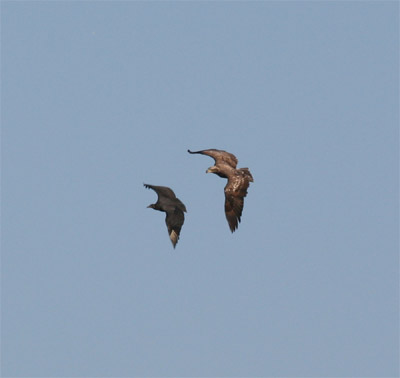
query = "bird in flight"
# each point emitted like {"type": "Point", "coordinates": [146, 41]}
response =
{"type": "Point", "coordinates": [173, 207]}
{"type": "Point", "coordinates": [236, 187]}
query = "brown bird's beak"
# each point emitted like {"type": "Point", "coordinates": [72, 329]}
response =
{"type": "Point", "coordinates": [209, 170]}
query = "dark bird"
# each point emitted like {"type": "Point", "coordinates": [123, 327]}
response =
{"type": "Point", "coordinates": [238, 182]}
{"type": "Point", "coordinates": [173, 207]}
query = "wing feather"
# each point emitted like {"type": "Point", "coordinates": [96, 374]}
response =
{"type": "Point", "coordinates": [162, 191]}
{"type": "Point", "coordinates": [235, 191]}
{"type": "Point", "coordinates": [220, 156]}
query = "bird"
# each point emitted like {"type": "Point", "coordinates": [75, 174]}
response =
{"type": "Point", "coordinates": [236, 187]}
{"type": "Point", "coordinates": [172, 206]}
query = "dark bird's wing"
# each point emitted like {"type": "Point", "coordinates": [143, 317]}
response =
{"type": "Point", "coordinates": [220, 156]}
{"type": "Point", "coordinates": [235, 191]}
{"type": "Point", "coordinates": [162, 191]}
{"type": "Point", "coordinates": [174, 221]}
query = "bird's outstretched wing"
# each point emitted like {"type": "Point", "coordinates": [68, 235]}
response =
{"type": "Point", "coordinates": [167, 198]}
{"type": "Point", "coordinates": [162, 191]}
{"type": "Point", "coordinates": [220, 156]}
{"type": "Point", "coordinates": [235, 191]}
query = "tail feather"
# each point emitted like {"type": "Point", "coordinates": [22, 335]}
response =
{"type": "Point", "coordinates": [174, 237]}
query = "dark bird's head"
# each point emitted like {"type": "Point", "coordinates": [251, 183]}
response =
{"type": "Point", "coordinates": [152, 206]}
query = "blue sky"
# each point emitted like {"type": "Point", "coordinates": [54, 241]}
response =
{"type": "Point", "coordinates": [100, 97]}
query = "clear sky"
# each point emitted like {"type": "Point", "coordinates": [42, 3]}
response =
{"type": "Point", "coordinates": [101, 97]}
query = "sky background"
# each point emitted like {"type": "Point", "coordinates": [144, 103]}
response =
{"type": "Point", "coordinates": [100, 97]}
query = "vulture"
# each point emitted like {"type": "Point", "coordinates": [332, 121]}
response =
{"type": "Point", "coordinates": [236, 187]}
{"type": "Point", "coordinates": [173, 207]}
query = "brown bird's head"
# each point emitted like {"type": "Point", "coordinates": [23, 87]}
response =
{"type": "Point", "coordinates": [212, 169]}
{"type": "Point", "coordinates": [218, 171]}
{"type": "Point", "coordinates": [152, 206]}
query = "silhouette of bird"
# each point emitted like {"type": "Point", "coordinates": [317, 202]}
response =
{"type": "Point", "coordinates": [172, 206]}
{"type": "Point", "coordinates": [236, 187]}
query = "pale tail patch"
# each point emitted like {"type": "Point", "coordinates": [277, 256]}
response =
{"type": "Point", "coordinates": [174, 237]}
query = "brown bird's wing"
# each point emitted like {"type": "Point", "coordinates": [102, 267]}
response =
{"type": "Point", "coordinates": [220, 156]}
{"type": "Point", "coordinates": [235, 191]}
{"type": "Point", "coordinates": [174, 221]}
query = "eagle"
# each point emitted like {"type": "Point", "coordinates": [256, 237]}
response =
{"type": "Point", "coordinates": [236, 187]}
{"type": "Point", "coordinates": [172, 206]}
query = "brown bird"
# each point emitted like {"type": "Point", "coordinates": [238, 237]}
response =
{"type": "Point", "coordinates": [173, 207]}
{"type": "Point", "coordinates": [238, 182]}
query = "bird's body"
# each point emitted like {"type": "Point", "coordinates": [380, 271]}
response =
{"type": "Point", "coordinates": [173, 207]}
{"type": "Point", "coordinates": [236, 187]}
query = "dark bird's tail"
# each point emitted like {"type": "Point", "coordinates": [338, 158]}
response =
{"type": "Point", "coordinates": [174, 236]}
